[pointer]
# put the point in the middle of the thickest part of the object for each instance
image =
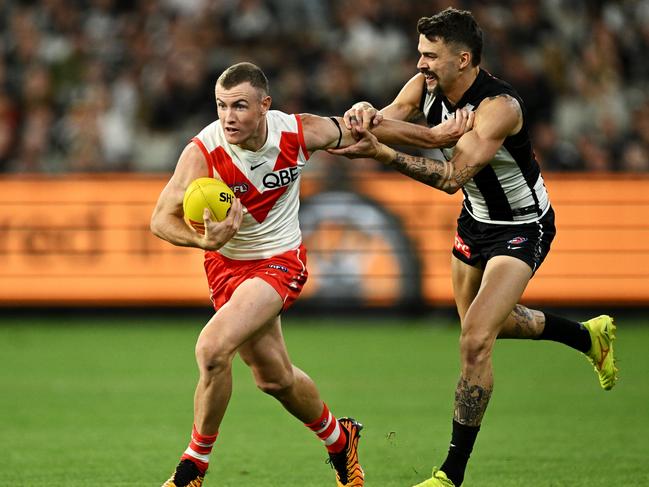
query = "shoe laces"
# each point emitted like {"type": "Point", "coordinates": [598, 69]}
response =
{"type": "Point", "coordinates": [186, 471]}
{"type": "Point", "coordinates": [338, 461]}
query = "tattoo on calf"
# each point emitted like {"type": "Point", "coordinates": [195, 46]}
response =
{"type": "Point", "coordinates": [470, 402]}
{"type": "Point", "coordinates": [524, 322]}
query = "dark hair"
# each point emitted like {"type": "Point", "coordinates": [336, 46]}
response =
{"type": "Point", "coordinates": [242, 72]}
{"type": "Point", "coordinates": [454, 26]}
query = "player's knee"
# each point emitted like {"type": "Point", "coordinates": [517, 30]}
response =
{"type": "Point", "coordinates": [475, 348]}
{"type": "Point", "coordinates": [213, 356]}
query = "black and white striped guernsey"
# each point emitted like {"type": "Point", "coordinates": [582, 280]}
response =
{"type": "Point", "coordinates": [510, 189]}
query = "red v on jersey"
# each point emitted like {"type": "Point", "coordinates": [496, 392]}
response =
{"type": "Point", "coordinates": [258, 203]}
{"type": "Point", "coordinates": [289, 147]}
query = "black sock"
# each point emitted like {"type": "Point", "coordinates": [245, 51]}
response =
{"type": "Point", "coordinates": [462, 441]}
{"type": "Point", "coordinates": [568, 332]}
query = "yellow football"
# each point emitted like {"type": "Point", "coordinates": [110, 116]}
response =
{"type": "Point", "coordinates": [209, 193]}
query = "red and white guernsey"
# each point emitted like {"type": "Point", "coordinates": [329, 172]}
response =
{"type": "Point", "coordinates": [266, 181]}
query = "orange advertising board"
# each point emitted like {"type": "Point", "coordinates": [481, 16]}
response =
{"type": "Point", "coordinates": [599, 255]}
{"type": "Point", "coordinates": [85, 240]}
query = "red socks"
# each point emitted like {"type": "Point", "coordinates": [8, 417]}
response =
{"type": "Point", "coordinates": [329, 431]}
{"type": "Point", "coordinates": [199, 449]}
{"type": "Point", "coordinates": [326, 427]}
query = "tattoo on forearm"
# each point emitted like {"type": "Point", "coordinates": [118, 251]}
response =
{"type": "Point", "coordinates": [438, 174]}
{"type": "Point", "coordinates": [463, 174]}
{"type": "Point", "coordinates": [471, 402]}
{"type": "Point", "coordinates": [429, 171]}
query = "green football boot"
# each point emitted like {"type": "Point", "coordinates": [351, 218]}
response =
{"type": "Point", "coordinates": [439, 479]}
{"type": "Point", "coordinates": [602, 335]}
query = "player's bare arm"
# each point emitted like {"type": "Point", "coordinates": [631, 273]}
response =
{"type": "Point", "coordinates": [405, 107]}
{"type": "Point", "coordinates": [495, 119]}
{"type": "Point", "coordinates": [325, 133]}
{"type": "Point", "coordinates": [167, 221]}
{"type": "Point", "coordinates": [446, 134]}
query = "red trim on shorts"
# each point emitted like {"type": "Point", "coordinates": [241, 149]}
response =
{"type": "Point", "coordinates": [303, 262]}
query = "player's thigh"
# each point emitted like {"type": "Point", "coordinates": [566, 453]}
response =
{"type": "Point", "coordinates": [253, 306]}
{"type": "Point", "coordinates": [266, 355]}
{"type": "Point", "coordinates": [466, 283]}
{"type": "Point", "coordinates": [503, 283]}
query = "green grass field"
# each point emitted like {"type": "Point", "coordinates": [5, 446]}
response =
{"type": "Point", "coordinates": [107, 402]}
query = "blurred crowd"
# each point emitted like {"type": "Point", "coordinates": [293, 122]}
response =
{"type": "Point", "coordinates": [122, 85]}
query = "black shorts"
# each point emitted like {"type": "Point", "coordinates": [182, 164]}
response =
{"type": "Point", "coordinates": [477, 242]}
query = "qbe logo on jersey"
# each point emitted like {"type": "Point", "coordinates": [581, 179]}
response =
{"type": "Point", "coordinates": [283, 177]}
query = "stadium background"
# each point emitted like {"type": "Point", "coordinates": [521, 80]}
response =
{"type": "Point", "coordinates": [97, 98]}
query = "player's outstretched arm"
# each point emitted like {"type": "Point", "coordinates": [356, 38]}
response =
{"type": "Point", "coordinates": [330, 132]}
{"type": "Point", "coordinates": [496, 118]}
{"type": "Point", "coordinates": [167, 221]}
{"type": "Point", "coordinates": [404, 107]}
{"type": "Point", "coordinates": [389, 123]}
{"type": "Point", "coordinates": [325, 132]}
{"type": "Point", "coordinates": [445, 134]}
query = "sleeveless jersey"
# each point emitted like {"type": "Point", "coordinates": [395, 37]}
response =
{"type": "Point", "coordinates": [510, 188]}
{"type": "Point", "coordinates": [266, 181]}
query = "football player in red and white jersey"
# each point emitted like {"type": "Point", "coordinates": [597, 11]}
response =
{"type": "Point", "coordinates": [255, 261]}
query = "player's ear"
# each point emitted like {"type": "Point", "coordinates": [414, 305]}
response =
{"type": "Point", "coordinates": [465, 59]}
{"type": "Point", "coordinates": [265, 104]}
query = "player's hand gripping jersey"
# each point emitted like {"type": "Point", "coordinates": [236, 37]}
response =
{"type": "Point", "coordinates": [266, 181]}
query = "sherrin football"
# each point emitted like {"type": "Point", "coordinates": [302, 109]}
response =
{"type": "Point", "coordinates": [209, 193]}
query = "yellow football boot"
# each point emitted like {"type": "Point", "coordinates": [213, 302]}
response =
{"type": "Point", "coordinates": [602, 335]}
{"type": "Point", "coordinates": [439, 479]}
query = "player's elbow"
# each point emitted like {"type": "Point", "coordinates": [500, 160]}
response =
{"type": "Point", "coordinates": [451, 187]}
{"type": "Point", "coordinates": [155, 229]}
{"type": "Point", "coordinates": [155, 224]}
